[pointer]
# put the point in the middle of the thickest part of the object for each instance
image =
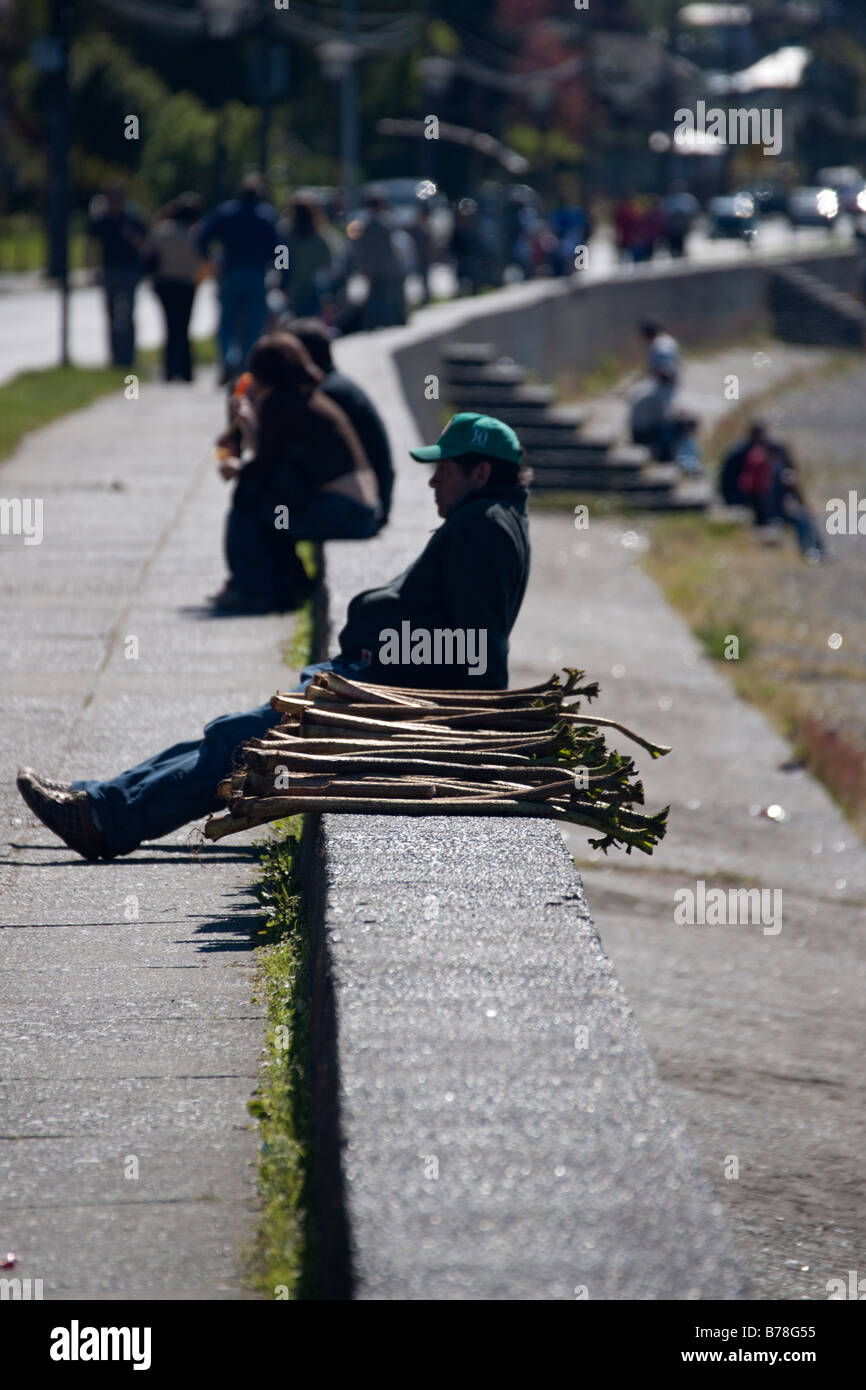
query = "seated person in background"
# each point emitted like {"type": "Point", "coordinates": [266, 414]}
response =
{"type": "Point", "coordinates": [306, 477]}
{"type": "Point", "coordinates": [652, 420]}
{"type": "Point", "coordinates": [352, 399]}
{"type": "Point", "coordinates": [760, 473]}
{"type": "Point", "coordinates": [470, 578]}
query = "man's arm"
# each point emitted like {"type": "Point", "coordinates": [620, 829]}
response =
{"type": "Point", "coordinates": [478, 572]}
{"type": "Point", "coordinates": [206, 232]}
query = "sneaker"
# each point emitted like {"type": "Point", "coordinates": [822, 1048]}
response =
{"type": "Point", "coordinates": [66, 813]}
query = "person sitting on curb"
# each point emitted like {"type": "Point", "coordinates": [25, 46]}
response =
{"type": "Point", "coordinates": [760, 473]}
{"type": "Point", "coordinates": [470, 578]}
{"type": "Point", "coordinates": [352, 399]}
{"type": "Point", "coordinates": [307, 477]}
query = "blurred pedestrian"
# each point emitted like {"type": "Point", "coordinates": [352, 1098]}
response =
{"type": "Point", "coordinates": [626, 216]}
{"type": "Point", "coordinates": [172, 256]}
{"type": "Point", "coordinates": [654, 421]}
{"type": "Point", "coordinates": [310, 260]}
{"type": "Point", "coordinates": [466, 247]}
{"type": "Point", "coordinates": [421, 232]}
{"type": "Point", "coordinates": [377, 256]}
{"type": "Point", "coordinates": [117, 234]}
{"type": "Point", "coordinates": [647, 230]}
{"type": "Point", "coordinates": [679, 208]}
{"type": "Point", "coordinates": [246, 228]}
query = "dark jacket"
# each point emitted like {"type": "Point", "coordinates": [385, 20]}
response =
{"type": "Point", "coordinates": [303, 444]}
{"type": "Point", "coordinates": [369, 428]}
{"type": "Point", "coordinates": [470, 576]}
{"type": "Point", "coordinates": [247, 230]}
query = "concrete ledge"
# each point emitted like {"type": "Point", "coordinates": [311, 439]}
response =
{"type": "Point", "coordinates": [489, 1124]}
{"type": "Point", "coordinates": [504, 1132]}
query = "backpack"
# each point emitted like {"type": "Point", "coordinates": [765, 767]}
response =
{"type": "Point", "coordinates": [756, 476]}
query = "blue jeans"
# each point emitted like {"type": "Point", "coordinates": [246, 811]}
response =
{"type": "Point", "coordinates": [180, 783]}
{"type": "Point", "coordinates": [243, 313]}
{"type": "Point", "coordinates": [261, 558]}
{"type": "Point", "coordinates": [120, 284]}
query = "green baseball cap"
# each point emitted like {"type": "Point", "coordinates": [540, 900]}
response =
{"type": "Point", "coordinates": [472, 434]}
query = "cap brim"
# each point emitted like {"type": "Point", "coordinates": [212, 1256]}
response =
{"type": "Point", "coordinates": [430, 453]}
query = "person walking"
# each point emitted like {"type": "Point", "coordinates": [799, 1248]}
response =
{"type": "Point", "coordinates": [116, 233]}
{"type": "Point", "coordinates": [305, 477]}
{"type": "Point", "coordinates": [679, 209]}
{"type": "Point", "coordinates": [310, 260]}
{"type": "Point", "coordinates": [246, 228]}
{"type": "Point", "coordinates": [376, 256]}
{"type": "Point", "coordinates": [172, 255]}
{"type": "Point", "coordinates": [471, 574]}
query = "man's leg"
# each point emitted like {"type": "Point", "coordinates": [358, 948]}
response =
{"type": "Point", "coordinates": [264, 568]}
{"type": "Point", "coordinates": [255, 311]}
{"type": "Point", "coordinates": [110, 291]}
{"type": "Point", "coordinates": [123, 317]}
{"type": "Point", "coordinates": [175, 786]}
{"type": "Point", "coordinates": [333, 517]}
{"type": "Point", "coordinates": [185, 299]}
{"type": "Point", "coordinates": [229, 350]}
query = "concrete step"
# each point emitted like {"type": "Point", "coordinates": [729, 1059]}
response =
{"type": "Point", "coordinates": [657, 479]}
{"type": "Point", "coordinates": [497, 374]}
{"type": "Point", "coordinates": [490, 399]}
{"type": "Point", "coordinates": [577, 451]}
{"type": "Point", "coordinates": [468, 354]}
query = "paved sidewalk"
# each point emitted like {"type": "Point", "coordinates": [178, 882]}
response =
{"type": "Point", "coordinates": [128, 1031]}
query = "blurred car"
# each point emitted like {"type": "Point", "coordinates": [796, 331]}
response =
{"type": "Point", "coordinates": [846, 182]}
{"type": "Point", "coordinates": [734, 215]}
{"type": "Point", "coordinates": [859, 216]}
{"type": "Point", "coordinates": [769, 196]}
{"type": "Point", "coordinates": [813, 207]}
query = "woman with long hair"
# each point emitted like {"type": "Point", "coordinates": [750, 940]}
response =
{"type": "Point", "coordinates": [173, 258]}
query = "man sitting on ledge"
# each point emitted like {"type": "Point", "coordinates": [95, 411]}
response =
{"type": "Point", "coordinates": [442, 624]}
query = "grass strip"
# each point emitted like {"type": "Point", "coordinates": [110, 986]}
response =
{"type": "Point", "coordinates": [283, 1262]}
{"type": "Point", "coordinates": [35, 398]}
{"type": "Point", "coordinates": [297, 653]}
{"type": "Point", "coordinates": [284, 1255]}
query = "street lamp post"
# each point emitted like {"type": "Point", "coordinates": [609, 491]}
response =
{"type": "Point", "coordinates": [222, 19]}
{"type": "Point", "coordinates": [436, 74]}
{"type": "Point", "coordinates": [51, 55]}
{"type": "Point", "coordinates": [338, 58]}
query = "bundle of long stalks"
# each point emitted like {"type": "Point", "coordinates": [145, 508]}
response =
{"type": "Point", "coordinates": [347, 746]}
